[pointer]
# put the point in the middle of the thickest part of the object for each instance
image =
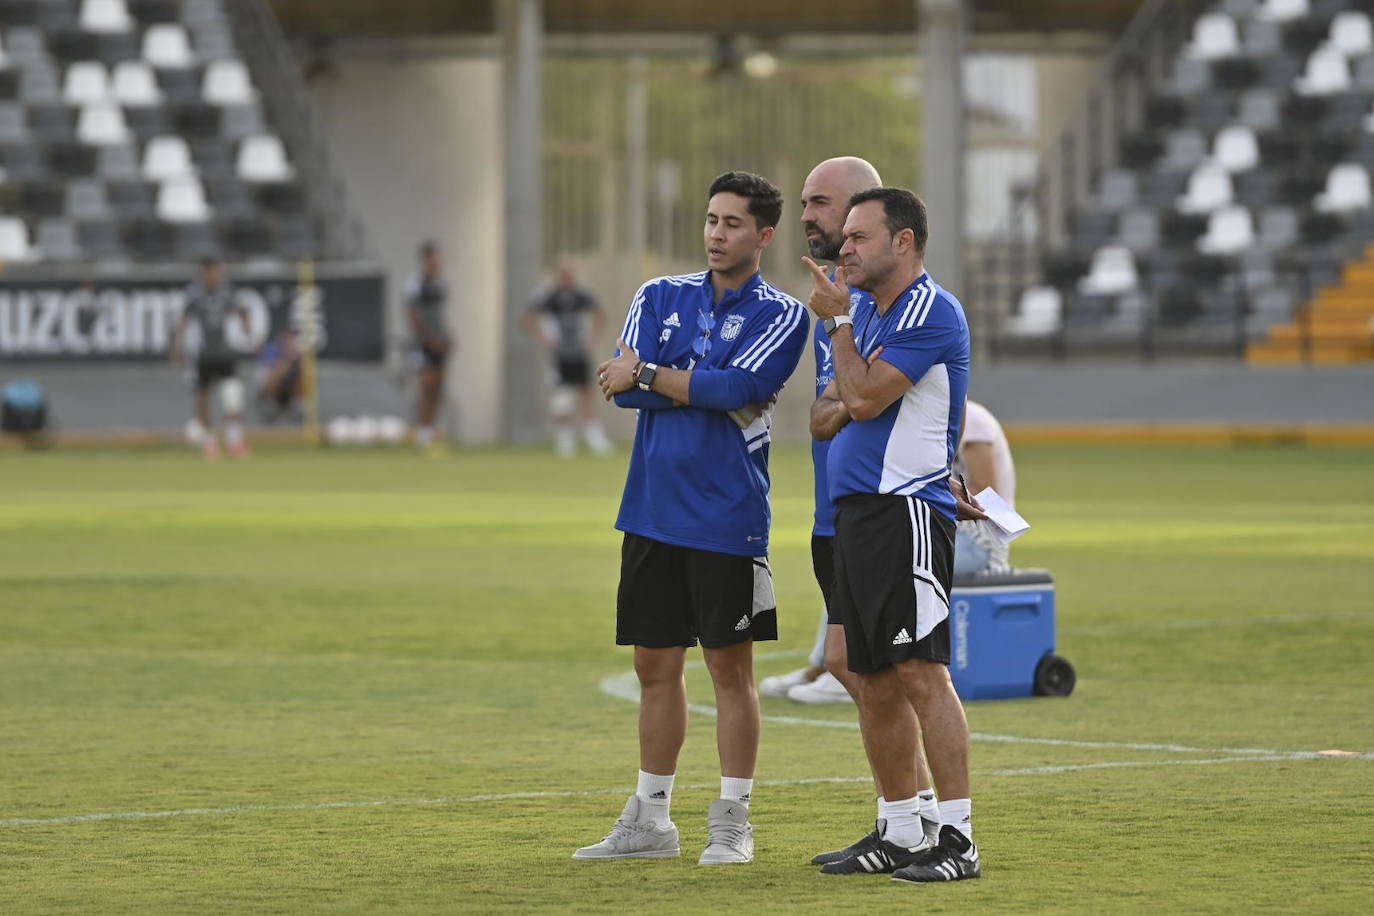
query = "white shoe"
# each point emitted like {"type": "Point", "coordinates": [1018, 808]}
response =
{"type": "Point", "coordinates": [779, 684]}
{"type": "Point", "coordinates": [632, 838]}
{"type": "Point", "coordinates": [824, 689]}
{"type": "Point", "coordinates": [730, 836]}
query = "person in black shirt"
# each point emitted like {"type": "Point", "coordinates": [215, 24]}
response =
{"type": "Point", "coordinates": [210, 303]}
{"type": "Point", "coordinates": [426, 309]}
{"type": "Point", "coordinates": [564, 318]}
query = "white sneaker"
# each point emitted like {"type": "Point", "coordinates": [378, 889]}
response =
{"type": "Point", "coordinates": [730, 836]}
{"type": "Point", "coordinates": [632, 838]}
{"type": "Point", "coordinates": [779, 684]}
{"type": "Point", "coordinates": [824, 689]}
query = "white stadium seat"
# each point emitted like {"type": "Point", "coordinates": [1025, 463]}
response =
{"type": "Point", "coordinates": [167, 157]}
{"type": "Point", "coordinates": [262, 158]}
{"type": "Point", "coordinates": [102, 124]}
{"type": "Point", "coordinates": [1347, 188]}
{"type": "Point", "coordinates": [167, 45]}
{"type": "Point", "coordinates": [1214, 36]}
{"type": "Point", "coordinates": [182, 200]}
{"type": "Point", "coordinates": [14, 241]}
{"type": "Point", "coordinates": [134, 84]}
{"type": "Point", "coordinates": [105, 16]}
{"type": "Point", "coordinates": [1351, 34]}
{"type": "Point", "coordinates": [1230, 230]}
{"type": "Point", "coordinates": [86, 82]}
{"type": "Point", "coordinates": [1327, 73]}
{"type": "Point", "coordinates": [1282, 10]}
{"type": "Point", "coordinates": [1038, 314]}
{"type": "Point", "coordinates": [1209, 188]}
{"type": "Point", "coordinates": [1112, 272]}
{"type": "Point", "coordinates": [227, 83]}
{"type": "Point", "coordinates": [1235, 148]}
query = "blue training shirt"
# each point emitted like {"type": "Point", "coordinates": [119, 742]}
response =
{"type": "Point", "coordinates": [697, 479]}
{"type": "Point", "coordinates": [907, 449]}
{"type": "Point", "coordinates": [824, 524]}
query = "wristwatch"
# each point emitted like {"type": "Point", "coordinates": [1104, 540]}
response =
{"type": "Point", "coordinates": [834, 322]}
{"type": "Point", "coordinates": [646, 376]}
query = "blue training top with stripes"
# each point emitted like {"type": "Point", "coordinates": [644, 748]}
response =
{"type": "Point", "coordinates": [907, 449]}
{"type": "Point", "coordinates": [699, 474]}
{"type": "Point", "coordinates": [824, 524]}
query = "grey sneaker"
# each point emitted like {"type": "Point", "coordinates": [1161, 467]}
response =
{"type": "Point", "coordinates": [632, 838]}
{"type": "Point", "coordinates": [730, 836]}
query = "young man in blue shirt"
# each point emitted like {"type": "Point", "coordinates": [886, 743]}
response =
{"type": "Point", "coordinates": [889, 472]}
{"type": "Point", "coordinates": [701, 358]}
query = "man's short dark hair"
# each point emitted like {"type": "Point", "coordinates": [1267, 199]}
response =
{"type": "Point", "coordinates": [428, 248]}
{"type": "Point", "coordinates": [765, 200]}
{"type": "Point", "coordinates": [902, 210]}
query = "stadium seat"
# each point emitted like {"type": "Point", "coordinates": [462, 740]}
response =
{"type": "Point", "coordinates": [14, 241]}
{"type": "Point", "coordinates": [1351, 34]}
{"type": "Point", "coordinates": [1112, 272]}
{"type": "Point", "coordinates": [1347, 188]}
{"type": "Point", "coordinates": [227, 83]}
{"type": "Point", "coordinates": [100, 240]}
{"type": "Point", "coordinates": [102, 124]}
{"type": "Point", "coordinates": [1278, 228]}
{"type": "Point", "coordinates": [1258, 188]}
{"type": "Point", "coordinates": [38, 85]}
{"type": "Point", "coordinates": [1209, 188]}
{"type": "Point", "coordinates": [134, 84]}
{"type": "Point", "coordinates": [131, 199]}
{"type": "Point", "coordinates": [262, 158]}
{"type": "Point", "coordinates": [1183, 150]}
{"type": "Point", "coordinates": [1117, 190]}
{"type": "Point", "coordinates": [1327, 73]}
{"type": "Point", "coordinates": [241, 121]}
{"type": "Point", "coordinates": [1230, 231]}
{"type": "Point", "coordinates": [86, 200]}
{"type": "Point", "coordinates": [1235, 149]}
{"type": "Point", "coordinates": [150, 12]}
{"type": "Point", "coordinates": [105, 16]}
{"type": "Point", "coordinates": [57, 240]}
{"type": "Point", "coordinates": [1263, 39]}
{"type": "Point", "coordinates": [116, 163]}
{"type": "Point", "coordinates": [1214, 36]}
{"type": "Point", "coordinates": [149, 239]}
{"type": "Point", "coordinates": [1037, 313]}
{"type": "Point", "coordinates": [167, 45]}
{"type": "Point", "coordinates": [87, 82]}
{"type": "Point", "coordinates": [70, 159]}
{"type": "Point", "coordinates": [1189, 77]}
{"type": "Point", "coordinates": [166, 157]}
{"type": "Point", "coordinates": [182, 200]}
{"type": "Point", "coordinates": [1139, 231]}
{"type": "Point", "coordinates": [14, 123]}
{"type": "Point", "coordinates": [1282, 10]}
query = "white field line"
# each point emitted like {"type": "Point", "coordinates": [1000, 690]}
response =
{"type": "Point", "coordinates": [626, 687]}
{"type": "Point", "coordinates": [618, 790]}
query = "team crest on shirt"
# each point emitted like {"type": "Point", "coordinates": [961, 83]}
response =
{"type": "Point", "coordinates": [729, 329]}
{"type": "Point", "coordinates": [667, 333]}
{"type": "Point", "coordinates": [855, 299]}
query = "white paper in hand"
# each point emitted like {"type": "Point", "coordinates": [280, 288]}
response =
{"type": "Point", "coordinates": [1007, 525]}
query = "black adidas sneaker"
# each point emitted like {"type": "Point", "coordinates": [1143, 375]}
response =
{"type": "Point", "coordinates": [884, 858]}
{"type": "Point", "coordinates": [866, 844]}
{"type": "Point", "coordinates": [954, 859]}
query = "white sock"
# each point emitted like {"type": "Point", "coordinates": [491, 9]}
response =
{"type": "Point", "coordinates": [595, 435]}
{"type": "Point", "coordinates": [233, 433]}
{"type": "Point", "coordinates": [903, 822]}
{"type": "Point", "coordinates": [655, 796]}
{"type": "Point", "coordinates": [564, 439]}
{"type": "Point", "coordinates": [424, 436]}
{"type": "Point", "coordinates": [958, 813]}
{"type": "Point", "coordinates": [929, 807]}
{"type": "Point", "coordinates": [736, 789]}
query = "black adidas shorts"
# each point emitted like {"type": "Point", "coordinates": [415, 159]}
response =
{"type": "Point", "coordinates": [894, 562]}
{"type": "Point", "coordinates": [675, 596]}
{"type": "Point", "coordinates": [573, 371]}
{"type": "Point", "coordinates": [823, 565]}
{"type": "Point", "coordinates": [212, 371]}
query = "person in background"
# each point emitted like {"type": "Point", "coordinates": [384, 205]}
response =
{"type": "Point", "coordinates": [202, 334]}
{"type": "Point", "coordinates": [564, 318]}
{"type": "Point", "coordinates": [426, 306]}
{"type": "Point", "coordinates": [984, 458]}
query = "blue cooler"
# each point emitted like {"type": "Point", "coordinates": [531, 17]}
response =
{"type": "Point", "coordinates": [1002, 637]}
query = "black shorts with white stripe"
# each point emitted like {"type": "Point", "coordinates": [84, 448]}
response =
{"type": "Point", "coordinates": [894, 563]}
{"type": "Point", "coordinates": [674, 596]}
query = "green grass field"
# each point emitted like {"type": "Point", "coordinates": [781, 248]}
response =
{"type": "Point", "coordinates": [369, 682]}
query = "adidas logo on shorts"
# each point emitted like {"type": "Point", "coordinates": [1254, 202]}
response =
{"type": "Point", "coordinates": [744, 624]}
{"type": "Point", "coordinates": [901, 638]}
